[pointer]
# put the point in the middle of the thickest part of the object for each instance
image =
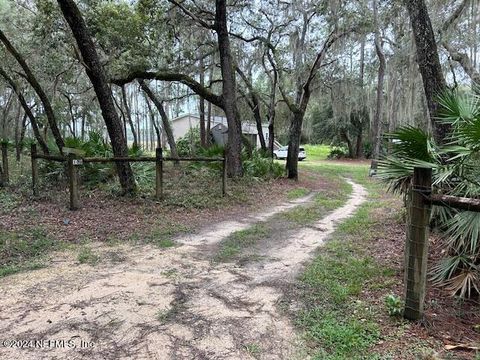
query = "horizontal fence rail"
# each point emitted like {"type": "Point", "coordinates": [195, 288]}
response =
{"type": "Point", "coordinates": [74, 161]}
{"type": "Point", "coordinates": [456, 202]}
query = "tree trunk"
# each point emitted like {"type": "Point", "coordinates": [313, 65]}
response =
{"type": "Point", "coordinates": [22, 137]}
{"type": "Point", "coordinates": [167, 128]}
{"type": "Point", "coordinates": [229, 93]}
{"type": "Point", "coordinates": [128, 115]}
{"type": "Point", "coordinates": [429, 63]}
{"type": "Point", "coordinates": [154, 122]}
{"type": "Point", "coordinates": [465, 63]}
{"type": "Point", "coordinates": [72, 116]}
{"type": "Point", "coordinates": [209, 122]}
{"type": "Point", "coordinates": [294, 144]}
{"type": "Point", "coordinates": [254, 105]}
{"type": "Point", "coordinates": [349, 143]}
{"type": "Point", "coordinates": [203, 139]}
{"type": "Point", "coordinates": [98, 78]}
{"type": "Point", "coordinates": [28, 111]}
{"type": "Point", "coordinates": [378, 117]}
{"type": "Point", "coordinates": [271, 103]}
{"type": "Point", "coordinates": [32, 80]}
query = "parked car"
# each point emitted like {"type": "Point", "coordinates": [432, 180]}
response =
{"type": "Point", "coordinates": [281, 153]}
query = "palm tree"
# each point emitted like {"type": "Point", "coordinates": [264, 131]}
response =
{"type": "Point", "coordinates": [456, 170]}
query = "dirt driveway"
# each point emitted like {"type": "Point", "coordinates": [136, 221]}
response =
{"type": "Point", "coordinates": [177, 303]}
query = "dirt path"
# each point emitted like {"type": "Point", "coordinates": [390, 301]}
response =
{"type": "Point", "coordinates": [149, 303]}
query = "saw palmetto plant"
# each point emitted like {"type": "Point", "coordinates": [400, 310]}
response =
{"type": "Point", "coordinates": [456, 171]}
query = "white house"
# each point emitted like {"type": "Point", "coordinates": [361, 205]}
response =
{"type": "Point", "coordinates": [182, 124]}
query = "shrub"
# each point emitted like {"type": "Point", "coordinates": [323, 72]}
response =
{"type": "Point", "coordinates": [91, 174]}
{"type": "Point", "coordinates": [189, 145]}
{"type": "Point", "coordinates": [338, 152]}
{"type": "Point", "coordinates": [455, 168]}
{"type": "Point", "coordinates": [394, 305]}
{"type": "Point", "coordinates": [258, 166]}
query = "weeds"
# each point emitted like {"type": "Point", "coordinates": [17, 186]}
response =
{"type": "Point", "coordinates": [239, 240]}
{"type": "Point", "coordinates": [297, 193]}
{"type": "Point", "coordinates": [24, 251]}
{"type": "Point", "coordinates": [394, 305]}
{"type": "Point", "coordinates": [253, 350]}
{"type": "Point", "coordinates": [87, 256]}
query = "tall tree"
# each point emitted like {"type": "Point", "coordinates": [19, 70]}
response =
{"type": "Point", "coordinates": [167, 128]}
{"type": "Point", "coordinates": [229, 91]}
{"type": "Point", "coordinates": [298, 107]}
{"type": "Point", "coordinates": [26, 109]}
{"type": "Point", "coordinates": [32, 80]}
{"type": "Point", "coordinates": [203, 135]}
{"type": "Point", "coordinates": [428, 62]}
{"type": "Point", "coordinates": [96, 74]}
{"type": "Point", "coordinates": [253, 101]}
{"type": "Point", "coordinates": [128, 115]}
{"type": "Point", "coordinates": [378, 117]}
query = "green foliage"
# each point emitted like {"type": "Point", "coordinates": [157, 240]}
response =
{"type": "Point", "coordinates": [189, 145]}
{"type": "Point", "coordinates": [344, 338]}
{"type": "Point", "coordinates": [394, 305]}
{"type": "Point", "coordinates": [338, 152]}
{"type": "Point", "coordinates": [87, 256]}
{"type": "Point", "coordinates": [317, 152]}
{"type": "Point", "coordinates": [90, 173]}
{"type": "Point", "coordinates": [333, 128]}
{"type": "Point", "coordinates": [253, 349]}
{"type": "Point", "coordinates": [258, 166]}
{"type": "Point", "coordinates": [19, 251]}
{"type": "Point", "coordinates": [413, 143]}
{"type": "Point", "coordinates": [233, 245]}
{"type": "Point", "coordinates": [455, 169]}
{"type": "Point", "coordinates": [297, 193]}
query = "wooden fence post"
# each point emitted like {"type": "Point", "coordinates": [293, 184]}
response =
{"type": "Point", "coordinates": [416, 246]}
{"type": "Point", "coordinates": [159, 173]}
{"type": "Point", "coordinates": [6, 176]}
{"type": "Point", "coordinates": [33, 155]}
{"type": "Point", "coordinates": [224, 173]}
{"type": "Point", "coordinates": [73, 183]}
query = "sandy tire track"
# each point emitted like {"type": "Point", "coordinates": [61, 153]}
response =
{"type": "Point", "coordinates": [165, 304]}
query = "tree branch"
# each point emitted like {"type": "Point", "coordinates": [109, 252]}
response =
{"type": "Point", "coordinates": [194, 85]}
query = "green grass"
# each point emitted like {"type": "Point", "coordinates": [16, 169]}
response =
{"type": "Point", "coordinates": [323, 203]}
{"type": "Point", "coordinates": [9, 201]}
{"type": "Point", "coordinates": [87, 256]}
{"type": "Point", "coordinates": [253, 350]}
{"type": "Point", "coordinates": [317, 152]}
{"type": "Point", "coordinates": [25, 250]}
{"type": "Point", "coordinates": [239, 240]}
{"type": "Point", "coordinates": [161, 235]}
{"type": "Point", "coordinates": [336, 323]}
{"type": "Point", "coordinates": [297, 193]}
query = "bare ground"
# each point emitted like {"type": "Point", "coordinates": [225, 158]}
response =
{"type": "Point", "coordinates": [143, 302]}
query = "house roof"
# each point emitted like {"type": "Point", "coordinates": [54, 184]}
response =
{"type": "Point", "coordinates": [247, 127]}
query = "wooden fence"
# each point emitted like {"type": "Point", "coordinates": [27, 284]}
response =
{"type": "Point", "coordinates": [74, 161]}
{"type": "Point", "coordinates": [416, 248]}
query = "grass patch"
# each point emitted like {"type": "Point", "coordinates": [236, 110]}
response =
{"type": "Point", "coordinates": [162, 235]}
{"type": "Point", "coordinates": [253, 350]}
{"type": "Point", "coordinates": [87, 256]}
{"type": "Point", "coordinates": [163, 316]}
{"type": "Point", "coordinates": [239, 240]}
{"type": "Point", "coordinates": [323, 203]}
{"type": "Point", "coordinates": [337, 324]}
{"type": "Point", "coordinates": [9, 201]}
{"type": "Point", "coordinates": [297, 193]}
{"type": "Point", "coordinates": [317, 152]}
{"type": "Point", "coordinates": [24, 251]}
